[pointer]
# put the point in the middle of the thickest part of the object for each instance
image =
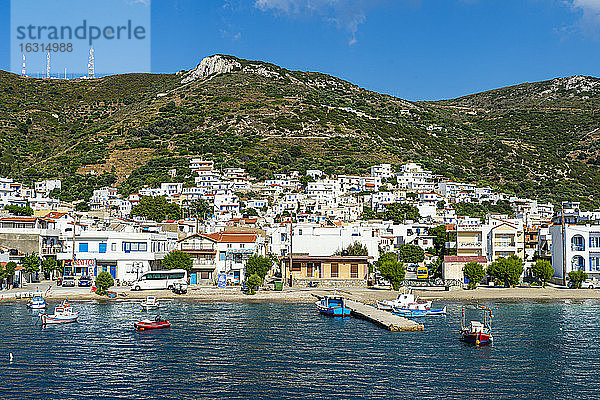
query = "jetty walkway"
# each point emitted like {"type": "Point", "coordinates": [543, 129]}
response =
{"type": "Point", "coordinates": [383, 319]}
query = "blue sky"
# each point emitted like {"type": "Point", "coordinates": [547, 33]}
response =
{"type": "Point", "coordinates": [416, 49]}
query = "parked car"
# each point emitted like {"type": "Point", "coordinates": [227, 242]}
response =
{"type": "Point", "coordinates": [68, 281]}
{"type": "Point", "coordinates": [591, 284]}
{"type": "Point", "coordinates": [85, 281]}
{"type": "Point", "coordinates": [411, 268]}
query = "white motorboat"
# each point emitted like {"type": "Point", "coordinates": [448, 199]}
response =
{"type": "Point", "coordinates": [151, 302]}
{"type": "Point", "coordinates": [63, 313]}
{"type": "Point", "coordinates": [406, 301]}
{"type": "Point", "coordinates": [36, 303]}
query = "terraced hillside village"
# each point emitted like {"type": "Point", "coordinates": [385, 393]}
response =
{"type": "Point", "coordinates": [539, 140]}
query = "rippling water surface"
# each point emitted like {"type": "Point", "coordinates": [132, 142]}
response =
{"type": "Point", "coordinates": [285, 351]}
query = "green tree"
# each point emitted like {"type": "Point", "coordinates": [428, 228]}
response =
{"type": "Point", "coordinates": [542, 269]}
{"type": "Point", "coordinates": [10, 269]}
{"type": "Point", "coordinates": [507, 270]}
{"type": "Point", "coordinates": [441, 205]}
{"type": "Point", "coordinates": [391, 269]}
{"type": "Point", "coordinates": [258, 265]}
{"type": "Point", "coordinates": [474, 272]}
{"type": "Point", "coordinates": [368, 213]}
{"type": "Point", "coordinates": [104, 280]}
{"type": "Point", "coordinates": [253, 283]}
{"type": "Point", "coordinates": [156, 209]}
{"type": "Point", "coordinates": [355, 249]}
{"type": "Point", "coordinates": [577, 277]}
{"type": "Point", "coordinates": [178, 259]}
{"type": "Point", "coordinates": [440, 237]}
{"type": "Point", "coordinates": [249, 212]}
{"type": "Point", "coordinates": [435, 269]}
{"type": "Point", "coordinates": [82, 206]}
{"type": "Point", "coordinates": [18, 210]}
{"type": "Point", "coordinates": [3, 275]}
{"type": "Point", "coordinates": [200, 208]}
{"type": "Point", "coordinates": [49, 265]}
{"type": "Point", "coordinates": [31, 263]}
{"type": "Point", "coordinates": [409, 253]}
{"type": "Point", "coordinates": [400, 212]}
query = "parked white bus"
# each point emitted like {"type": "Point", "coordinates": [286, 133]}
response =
{"type": "Point", "coordinates": [160, 279]}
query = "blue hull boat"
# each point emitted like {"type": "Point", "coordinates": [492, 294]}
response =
{"type": "Point", "coordinates": [406, 312]}
{"type": "Point", "coordinates": [334, 306]}
{"type": "Point", "coordinates": [409, 313]}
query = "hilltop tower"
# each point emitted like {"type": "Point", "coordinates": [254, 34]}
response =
{"type": "Point", "coordinates": [91, 73]}
{"type": "Point", "coordinates": [23, 70]}
{"type": "Point", "coordinates": [48, 65]}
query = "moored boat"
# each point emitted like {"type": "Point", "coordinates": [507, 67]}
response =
{"type": "Point", "coordinates": [151, 302]}
{"type": "Point", "coordinates": [403, 312]}
{"type": "Point", "coordinates": [418, 312]}
{"type": "Point", "coordinates": [146, 324]}
{"type": "Point", "coordinates": [406, 301]}
{"type": "Point", "coordinates": [477, 332]}
{"type": "Point", "coordinates": [63, 313]}
{"type": "Point", "coordinates": [334, 306]}
{"type": "Point", "coordinates": [36, 303]}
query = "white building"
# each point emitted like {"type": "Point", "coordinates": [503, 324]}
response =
{"type": "Point", "coordinates": [125, 254]}
{"type": "Point", "coordinates": [382, 171]}
{"type": "Point", "coordinates": [45, 187]}
{"type": "Point", "coordinates": [582, 245]}
{"type": "Point", "coordinates": [414, 178]}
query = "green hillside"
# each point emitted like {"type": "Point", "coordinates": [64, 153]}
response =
{"type": "Point", "coordinates": [538, 140]}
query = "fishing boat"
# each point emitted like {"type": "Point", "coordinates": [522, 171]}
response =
{"type": "Point", "coordinates": [63, 313]}
{"type": "Point", "coordinates": [151, 302]}
{"type": "Point", "coordinates": [477, 332]}
{"type": "Point", "coordinates": [409, 313]}
{"type": "Point", "coordinates": [36, 303]}
{"type": "Point", "coordinates": [419, 312]}
{"type": "Point", "coordinates": [334, 306]}
{"type": "Point", "coordinates": [406, 301]}
{"type": "Point", "coordinates": [146, 324]}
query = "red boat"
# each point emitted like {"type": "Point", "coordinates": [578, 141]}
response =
{"type": "Point", "coordinates": [477, 332]}
{"type": "Point", "coordinates": [146, 324]}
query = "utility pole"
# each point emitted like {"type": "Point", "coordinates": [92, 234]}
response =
{"type": "Point", "coordinates": [564, 244]}
{"type": "Point", "coordinates": [73, 253]}
{"type": "Point", "coordinates": [291, 236]}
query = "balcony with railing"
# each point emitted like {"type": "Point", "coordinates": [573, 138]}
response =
{"type": "Point", "coordinates": [51, 250]}
{"type": "Point", "coordinates": [197, 247]}
{"type": "Point", "coordinates": [204, 263]}
{"type": "Point", "coordinates": [469, 245]}
{"type": "Point", "coordinates": [503, 244]}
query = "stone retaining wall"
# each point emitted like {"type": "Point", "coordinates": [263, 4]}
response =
{"type": "Point", "coordinates": [336, 283]}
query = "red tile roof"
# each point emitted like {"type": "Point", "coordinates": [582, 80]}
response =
{"type": "Point", "coordinates": [233, 237]}
{"type": "Point", "coordinates": [55, 214]}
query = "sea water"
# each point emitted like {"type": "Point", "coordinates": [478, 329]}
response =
{"type": "Point", "coordinates": [288, 351]}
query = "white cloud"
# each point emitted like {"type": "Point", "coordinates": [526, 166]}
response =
{"type": "Point", "coordinates": [345, 14]}
{"type": "Point", "coordinates": [590, 10]}
{"type": "Point", "coordinates": [587, 5]}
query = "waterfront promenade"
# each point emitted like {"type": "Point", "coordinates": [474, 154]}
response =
{"type": "Point", "coordinates": [305, 295]}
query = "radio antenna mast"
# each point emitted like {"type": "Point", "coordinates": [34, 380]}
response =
{"type": "Point", "coordinates": [91, 73]}
{"type": "Point", "coordinates": [48, 66]}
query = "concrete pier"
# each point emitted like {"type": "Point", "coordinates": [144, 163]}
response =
{"type": "Point", "coordinates": [383, 319]}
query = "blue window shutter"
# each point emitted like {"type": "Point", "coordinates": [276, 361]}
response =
{"type": "Point", "coordinates": [102, 247]}
{"type": "Point", "coordinates": [83, 247]}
